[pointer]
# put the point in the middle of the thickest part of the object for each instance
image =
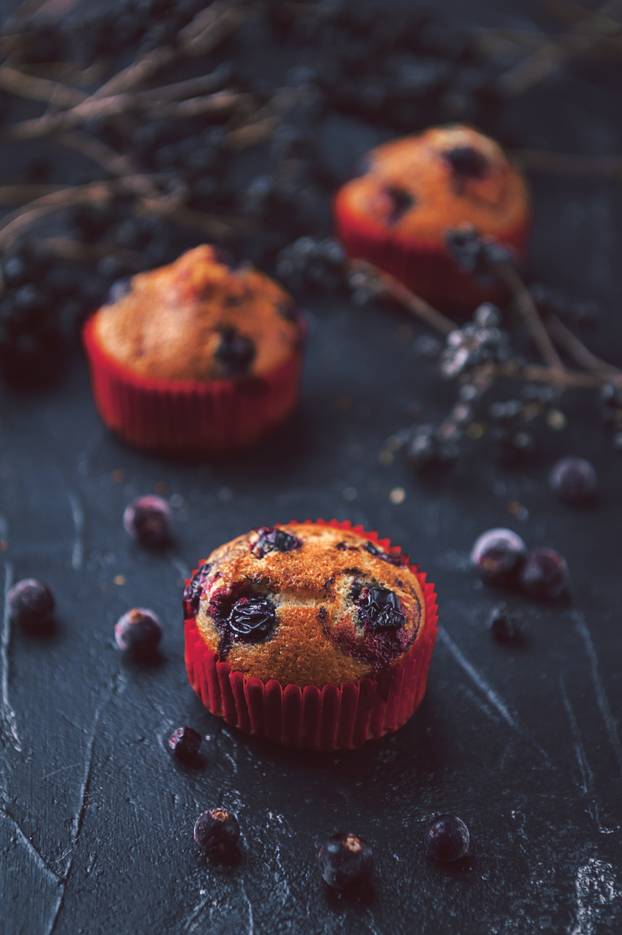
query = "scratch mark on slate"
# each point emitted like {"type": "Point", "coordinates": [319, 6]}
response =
{"type": "Point", "coordinates": [8, 720]}
{"type": "Point", "coordinates": [599, 688]}
{"type": "Point", "coordinates": [587, 775]}
{"type": "Point", "coordinates": [77, 516]}
{"type": "Point", "coordinates": [596, 889]}
{"type": "Point", "coordinates": [80, 813]}
{"type": "Point", "coordinates": [196, 911]}
{"type": "Point", "coordinates": [250, 927]}
{"type": "Point", "coordinates": [34, 852]}
{"type": "Point", "coordinates": [494, 699]}
{"type": "Point", "coordinates": [481, 704]}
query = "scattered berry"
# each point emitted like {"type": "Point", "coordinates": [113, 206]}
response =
{"type": "Point", "coordinates": [217, 832]}
{"type": "Point", "coordinates": [345, 859]}
{"type": "Point", "coordinates": [185, 743]}
{"type": "Point", "coordinates": [447, 839]}
{"type": "Point", "coordinates": [544, 574]}
{"type": "Point", "coordinates": [147, 519]}
{"type": "Point", "coordinates": [504, 626]}
{"type": "Point", "coordinates": [271, 539]}
{"type": "Point", "coordinates": [498, 555]}
{"type": "Point", "coordinates": [574, 480]}
{"type": "Point", "coordinates": [31, 602]}
{"type": "Point", "coordinates": [138, 632]}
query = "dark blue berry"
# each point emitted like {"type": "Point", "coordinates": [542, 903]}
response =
{"type": "Point", "coordinates": [194, 588]}
{"type": "Point", "coordinates": [574, 480]}
{"type": "Point", "coordinates": [504, 626]}
{"type": "Point", "coordinates": [234, 353]}
{"type": "Point", "coordinates": [401, 202]}
{"type": "Point", "coordinates": [447, 839]}
{"type": "Point", "coordinates": [393, 558]}
{"type": "Point", "coordinates": [272, 539]}
{"type": "Point", "coordinates": [467, 162]}
{"type": "Point", "coordinates": [30, 602]}
{"type": "Point", "coordinates": [217, 832]}
{"type": "Point", "coordinates": [138, 632]}
{"type": "Point", "coordinates": [345, 859]}
{"type": "Point", "coordinates": [544, 574]}
{"type": "Point", "coordinates": [498, 555]}
{"type": "Point", "coordinates": [185, 743]}
{"type": "Point", "coordinates": [252, 619]}
{"type": "Point", "coordinates": [147, 519]}
{"type": "Point", "coordinates": [379, 608]}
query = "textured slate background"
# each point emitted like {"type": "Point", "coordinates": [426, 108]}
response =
{"type": "Point", "coordinates": [96, 820]}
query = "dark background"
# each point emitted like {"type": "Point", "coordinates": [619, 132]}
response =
{"type": "Point", "coordinates": [523, 744]}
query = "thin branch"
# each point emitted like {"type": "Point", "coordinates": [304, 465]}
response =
{"type": "Point", "coordinates": [527, 308]}
{"type": "Point", "coordinates": [583, 37]}
{"type": "Point", "coordinates": [207, 30]}
{"type": "Point", "coordinates": [572, 164]}
{"type": "Point", "coordinates": [412, 302]}
{"type": "Point", "coordinates": [21, 84]}
{"type": "Point", "coordinates": [577, 349]}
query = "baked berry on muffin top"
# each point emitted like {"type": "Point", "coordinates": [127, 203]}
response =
{"type": "Point", "coordinates": [306, 604]}
{"type": "Point", "coordinates": [200, 319]}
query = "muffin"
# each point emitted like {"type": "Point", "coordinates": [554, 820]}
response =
{"type": "Point", "coordinates": [414, 190]}
{"type": "Point", "coordinates": [197, 356]}
{"type": "Point", "coordinates": [317, 635]}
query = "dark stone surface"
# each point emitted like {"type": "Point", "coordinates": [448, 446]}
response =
{"type": "Point", "coordinates": [523, 743]}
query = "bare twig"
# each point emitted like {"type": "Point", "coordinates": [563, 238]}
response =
{"type": "Point", "coordinates": [572, 164]}
{"type": "Point", "coordinates": [586, 34]}
{"type": "Point", "coordinates": [412, 302]}
{"type": "Point", "coordinates": [21, 84]}
{"type": "Point", "coordinates": [527, 308]}
{"type": "Point", "coordinates": [577, 349]}
{"type": "Point", "coordinates": [207, 30]}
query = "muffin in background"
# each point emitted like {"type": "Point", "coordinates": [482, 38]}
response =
{"type": "Point", "coordinates": [414, 190]}
{"type": "Point", "coordinates": [198, 356]}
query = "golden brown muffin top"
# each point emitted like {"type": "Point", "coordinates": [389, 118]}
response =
{"type": "Point", "coordinates": [306, 604]}
{"type": "Point", "coordinates": [200, 319]}
{"type": "Point", "coordinates": [419, 187]}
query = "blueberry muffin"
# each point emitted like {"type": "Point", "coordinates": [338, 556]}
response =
{"type": "Point", "coordinates": [197, 355]}
{"type": "Point", "coordinates": [314, 634]}
{"type": "Point", "coordinates": [414, 190]}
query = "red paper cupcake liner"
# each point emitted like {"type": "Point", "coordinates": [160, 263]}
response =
{"type": "Point", "coordinates": [427, 270]}
{"type": "Point", "coordinates": [330, 717]}
{"type": "Point", "coordinates": [180, 416]}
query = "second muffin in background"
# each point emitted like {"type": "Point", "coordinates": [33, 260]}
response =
{"type": "Point", "coordinates": [414, 190]}
{"type": "Point", "coordinates": [198, 356]}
